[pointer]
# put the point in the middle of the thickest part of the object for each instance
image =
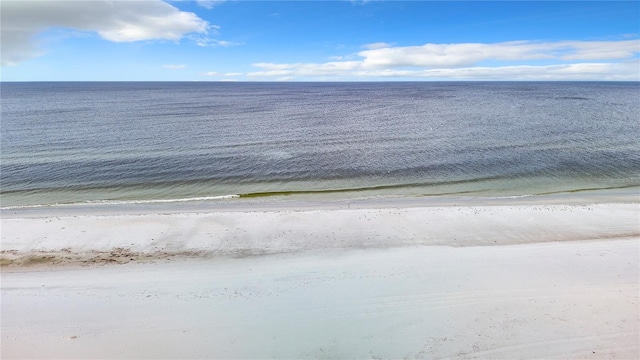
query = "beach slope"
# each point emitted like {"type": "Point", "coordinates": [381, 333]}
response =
{"type": "Point", "coordinates": [401, 281]}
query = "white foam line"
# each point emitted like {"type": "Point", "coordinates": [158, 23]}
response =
{"type": "Point", "coordinates": [203, 198]}
{"type": "Point", "coordinates": [127, 202]}
{"type": "Point", "coordinates": [507, 197]}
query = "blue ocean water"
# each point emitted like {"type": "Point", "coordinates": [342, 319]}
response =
{"type": "Point", "coordinates": [68, 143]}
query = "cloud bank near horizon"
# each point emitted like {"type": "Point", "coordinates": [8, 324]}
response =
{"type": "Point", "coordinates": [561, 60]}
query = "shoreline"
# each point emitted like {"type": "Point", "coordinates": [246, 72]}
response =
{"type": "Point", "coordinates": [623, 195]}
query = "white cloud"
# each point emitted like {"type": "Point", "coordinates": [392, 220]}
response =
{"type": "Point", "coordinates": [233, 74]}
{"type": "Point", "coordinates": [600, 50]}
{"type": "Point", "coordinates": [209, 4]}
{"type": "Point", "coordinates": [118, 21]}
{"type": "Point", "coordinates": [343, 57]}
{"type": "Point", "coordinates": [210, 73]}
{"type": "Point", "coordinates": [208, 42]}
{"type": "Point", "coordinates": [377, 45]}
{"type": "Point", "coordinates": [584, 71]}
{"type": "Point", "coordinates": [467, 54]}
{"type": "Point", "coordinates": [302, 69]}
{"type": "Point", "coordinates": [565, 60]}
{"type": "Point", "coordinates": [175, 67]}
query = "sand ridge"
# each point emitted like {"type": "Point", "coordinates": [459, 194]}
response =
{"type": "Point", "coordinates": [121, 238]}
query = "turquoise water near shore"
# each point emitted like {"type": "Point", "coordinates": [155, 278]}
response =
{"type": "Point", "coordinates": [75, 143]}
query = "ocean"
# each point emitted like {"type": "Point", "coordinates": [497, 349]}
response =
{"type": "Point", "coordinates": [149, 142]}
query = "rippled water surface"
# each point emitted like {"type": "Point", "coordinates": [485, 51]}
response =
{"type": "Point", "coordinates": [141, 142]}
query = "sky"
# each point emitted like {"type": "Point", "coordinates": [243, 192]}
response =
{"type": "Point", "coordinates": [357, 40]}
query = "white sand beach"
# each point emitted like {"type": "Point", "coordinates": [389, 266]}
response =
{"type": "Point", "coordinates": [369, 280]}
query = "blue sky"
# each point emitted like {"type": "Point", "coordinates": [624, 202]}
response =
{"type": "Point", "coordinates": [156, 40]}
